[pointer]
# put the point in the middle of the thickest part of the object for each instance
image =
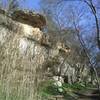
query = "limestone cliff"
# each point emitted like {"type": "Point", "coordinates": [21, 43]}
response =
{"type": "Point", "coordinates": [22, 54]}
{"type": "Point", "coordinates": [26, 52]}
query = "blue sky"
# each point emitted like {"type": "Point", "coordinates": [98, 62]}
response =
{"type": "Point", "coordinates": [27, 4]}
{"type": "Point", "coordinates": [31, 4]}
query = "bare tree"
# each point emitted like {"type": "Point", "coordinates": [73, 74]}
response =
{"type": "Point", "coordinates": [82, 43]}
{"type": "Point", "coordinates": [12, 4]}
{"type": "Point", "coordinates": [63, 20]}
{"type": "Point", "coordinates": [94, 12]}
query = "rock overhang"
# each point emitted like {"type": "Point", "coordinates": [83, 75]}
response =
{"type": "Point", "coordinates": [29, 17]}
{"type": "Point", "coordinates": [26, 17]}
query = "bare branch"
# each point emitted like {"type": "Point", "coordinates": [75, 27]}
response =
{"type": "Point", "coordinates": [92, 7]}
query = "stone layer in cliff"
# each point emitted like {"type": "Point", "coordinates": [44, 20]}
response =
{"type": "Point", "coordinates": [26, 17]}
{"type": "Point", "coordinates": [30, 18]}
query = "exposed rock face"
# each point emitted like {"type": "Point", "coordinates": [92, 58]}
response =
{"type": "Point", "coordinates": [32, 33]}
{"type": "Point", "coordinates": [24, 52]}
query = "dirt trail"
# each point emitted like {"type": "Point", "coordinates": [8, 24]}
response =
{"type": "Point", "coordinates": [92, 94]}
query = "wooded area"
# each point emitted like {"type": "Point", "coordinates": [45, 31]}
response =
{"type": "Point", "coordinates": [50, 55]}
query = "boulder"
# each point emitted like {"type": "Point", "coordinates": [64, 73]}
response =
{"type": "Point", "coordinates": [58, 83]}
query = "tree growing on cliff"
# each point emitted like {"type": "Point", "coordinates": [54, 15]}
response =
{"type": "Point", "coordinates": [12, 4]}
